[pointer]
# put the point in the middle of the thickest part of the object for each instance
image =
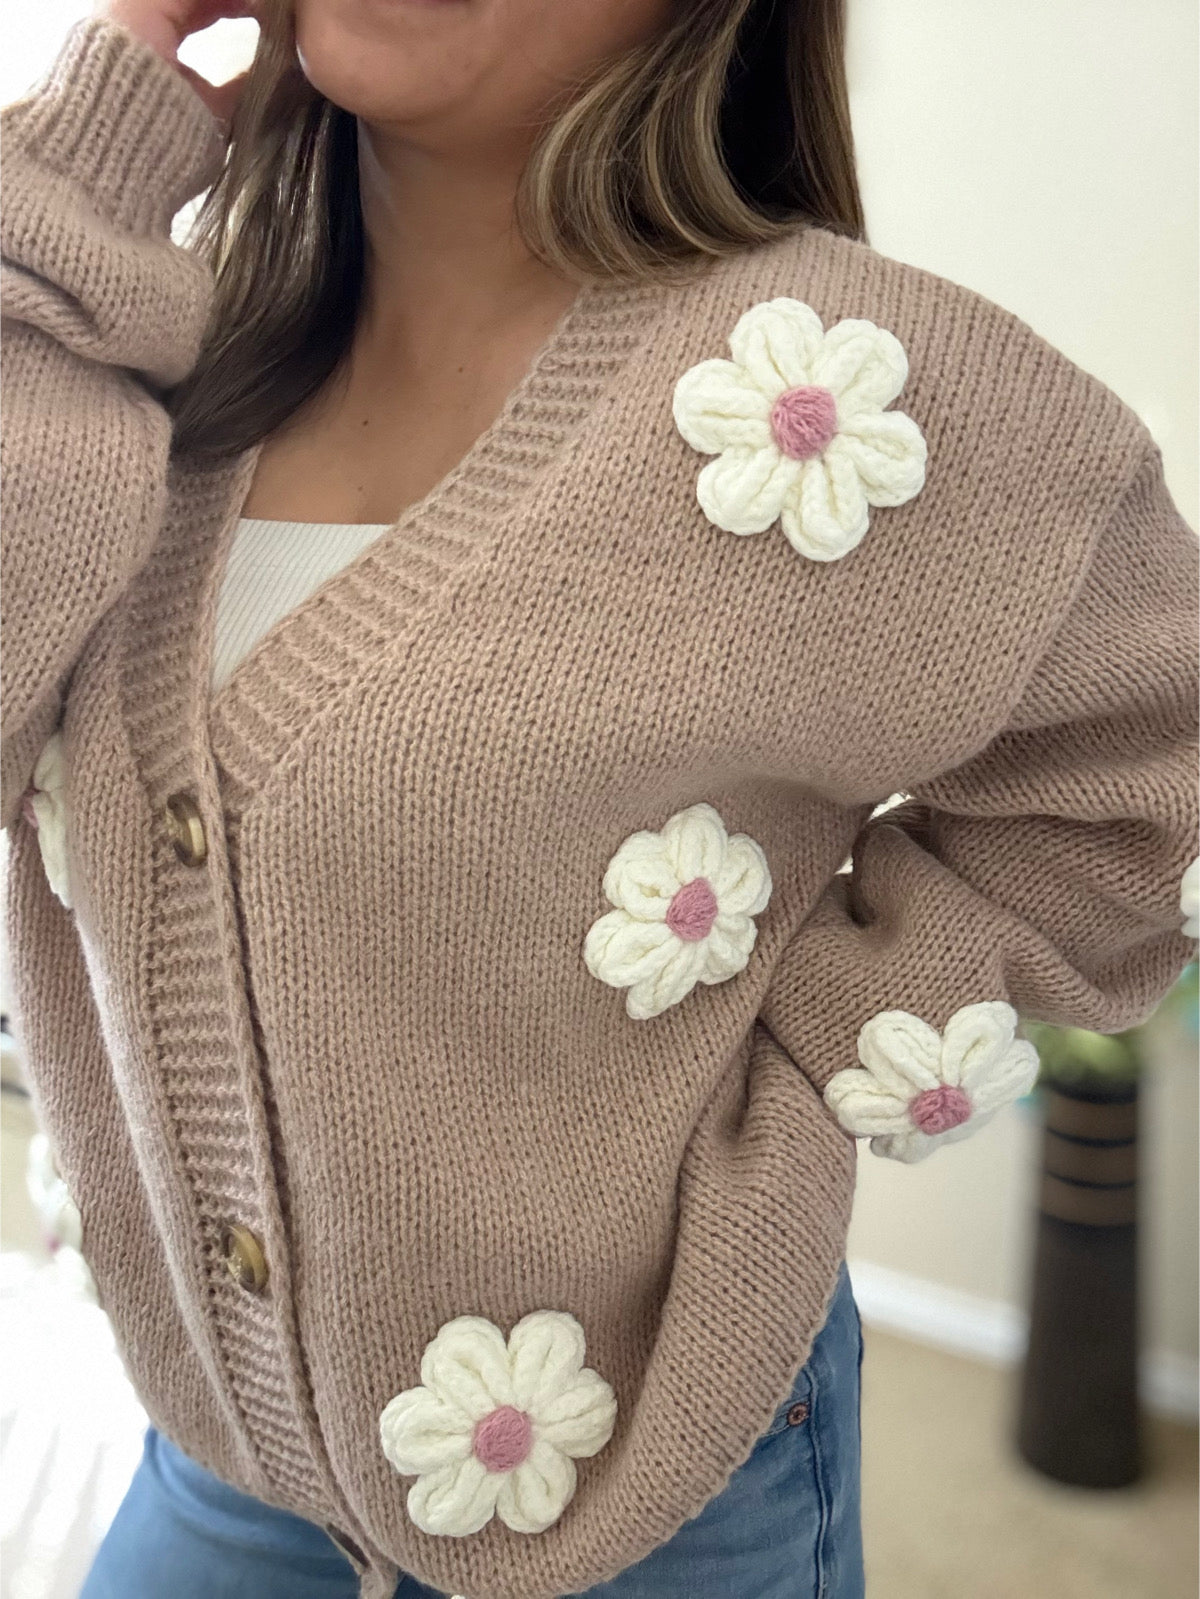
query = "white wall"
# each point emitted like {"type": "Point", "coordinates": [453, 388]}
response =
{"type": "Point", "coordinates": [33, 35]}
{"type": "Point", "coordinates": [1044, 153]}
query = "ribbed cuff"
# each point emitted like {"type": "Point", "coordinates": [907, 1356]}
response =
{"type": "Point", "coordinates": [117, 118]}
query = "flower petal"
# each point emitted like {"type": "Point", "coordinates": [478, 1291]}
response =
{"type": "Point", "coordinates": [826, 514]}
{"type": "Point", "coordinates": [534, 1494]}
{"type": "Point", "coordinates": [47, 801]}
{"type": "Point", "coordinates": [716, 404]}
{"type": "Point", "coordinates": [974, 1038]}
{"type": "Point", "coordinates": [466, 1366]}
{"type": "Point", "coordinates": [47, 1187]}
{"type": "Point", "coordinates": [743, 490]}
{"type": "Point", "coordinates": [580, 1419]}
{"type": "Point", "coordinates": [49, 809]}
{"type": "Point", "coordinates": [455, 1500]}
{"type": "Point", "coordinates": [640, 878]}
{"type": "Point", "coordinates": [777, 342]}
{"type": "Point", "coordinates": [420, 1432]}
{"type": "Point", "coordinates": [1004, 1079]}
{"type": "Point", "coordinates": [675, 979]}
{"type": "Point", "coordinates": [621, 950]}
{"type": "Point", "coordinates": [863, 1105]}
{"type": "Point", "coordinates": [694, 842]}
{"type": "Point", "coordinates": [1189, 899]}
{"type": "Point", "coordinates": [889, 453]}
{"type": "Point", "coordinates": [50, 769]}
{"type": "Point", "coordinates": [727, 948]}
{"type": "Point", "coordinates": [902, 1052]}
{"type": "Point", "coordinates": [916, 1145]}
{"type": "Point", "coordinates": [909, 1147]}
{"type": "Point", "coordinates": [864, 365]}
{"type": "Point", "coordinates": [545, 1354]}
{"type": "Point", "coordinates": [742, 881]}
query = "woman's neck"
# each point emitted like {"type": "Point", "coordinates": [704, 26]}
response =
{"type": "Point", "coordinates": [446, 269]}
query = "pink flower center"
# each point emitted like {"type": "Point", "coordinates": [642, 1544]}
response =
{"type": "Point", "coordinates": [804, 420]}
{"type": "Point", "coordinates": [503, 1438]}
{"type": "Point", "coordinates": [939, 1109]}
{"type": "Point", "coordinates": [693, 910]}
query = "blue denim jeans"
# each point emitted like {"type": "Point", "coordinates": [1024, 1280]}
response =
{"type": "Point", "coordinates": [787, 1525]}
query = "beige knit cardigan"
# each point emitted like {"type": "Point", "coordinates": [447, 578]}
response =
{"type": "Point", "coordinates": [481, 949]}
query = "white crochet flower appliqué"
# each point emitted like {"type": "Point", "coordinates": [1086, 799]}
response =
{"type": "Point", "coordinates": [495, 1427]}
{"type": "Point", "coordinates": [59, 1214]}
{"type": "Point", "coordinates": [918, 1088]}
{"type": "Point", "coordinates": [44, 806]}
{"type": "Point", "coordinates": [685, 898]}
{"type": "Point", "coordinates": [797, 418]}
{"type": "Point", "coordinates": [1189, 899]}
{"type": "Point", "coordinates": [62, 1226]}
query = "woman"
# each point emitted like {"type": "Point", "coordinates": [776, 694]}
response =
{"type": "Point", "coordinates": [428, 806]}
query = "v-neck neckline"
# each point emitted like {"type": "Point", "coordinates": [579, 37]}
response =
{"type": "Point", "coordinates": [314, 649]}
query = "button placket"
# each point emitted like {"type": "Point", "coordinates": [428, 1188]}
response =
{"type": "Point", "coordinates": [207, 1076]}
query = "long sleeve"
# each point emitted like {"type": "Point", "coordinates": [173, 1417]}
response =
{"type": "Point", "coordinates": [98, 306]}
{"type": "Point", "coordinates": [1051, 874]}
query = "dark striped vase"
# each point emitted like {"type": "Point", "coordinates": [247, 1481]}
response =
{"type": "Point", "coordinates": [1079, 1420]}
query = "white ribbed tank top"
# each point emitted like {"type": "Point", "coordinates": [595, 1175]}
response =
{"type": "Point", "coordinates": [272, 566]}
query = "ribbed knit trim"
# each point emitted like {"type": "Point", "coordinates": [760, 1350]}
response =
{"type": "Point", "coordinates": [302, 661]}
{"type": "Point", "coordinates": [106, 77]}
{"type": "Point", "coordinates": [273, 566]}
{"type": "Point", "coordinates": [201, 1020]}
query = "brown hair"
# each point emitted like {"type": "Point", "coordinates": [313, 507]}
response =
{"type": "Point", "coordinates": [728, 129]}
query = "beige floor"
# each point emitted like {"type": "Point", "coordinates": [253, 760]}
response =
{"type": "Point", "coordinates": [949, 1511]}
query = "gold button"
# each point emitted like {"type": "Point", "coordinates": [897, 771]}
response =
{"type": "Point", "coordinates": [186, 828]}
{"type": "Point", "coordinates": [244, 1257]}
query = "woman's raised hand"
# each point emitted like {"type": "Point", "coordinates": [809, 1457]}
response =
{"type": "Point", "coordinates": [165, 24]}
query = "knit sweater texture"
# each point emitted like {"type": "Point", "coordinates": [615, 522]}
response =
{"type": "Point", "coordinates": [481, 947]}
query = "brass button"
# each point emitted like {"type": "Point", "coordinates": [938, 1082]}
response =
{"type": "Point", "coordinates": [798, 1413]}
{"type": "Point", "coordinates": [186, 828]}
{"type": "Point", "coordinates": [244, 1257]}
